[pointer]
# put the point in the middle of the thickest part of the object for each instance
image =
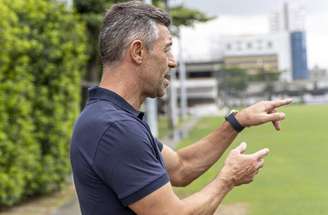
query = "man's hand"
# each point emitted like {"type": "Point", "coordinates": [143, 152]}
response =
{"type": "Point", "coordinates": [263, 112]}
{"type": "Point", "coordinates": [240, 168]}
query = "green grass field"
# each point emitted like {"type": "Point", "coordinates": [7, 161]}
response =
{"type": "Point", "coordinates": [294, 180]}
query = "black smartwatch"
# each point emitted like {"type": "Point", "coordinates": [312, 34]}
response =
{"type": "Point", "coordinates": [230, 117]}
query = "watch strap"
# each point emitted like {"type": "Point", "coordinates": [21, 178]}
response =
{"type": "Point", "coordinates": [234, 122]}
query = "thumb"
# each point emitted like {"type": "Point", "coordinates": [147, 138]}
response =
{"type": "Point", "coordinates": [261, 153]}
{"type": "Point", "coordinates": [241, 148]}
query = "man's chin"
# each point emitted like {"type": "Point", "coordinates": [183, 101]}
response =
{"type": "Point", "coordinates": [158, 94]}
{"type": "Point", "coordinates": [162, 92]}
{"type": "Point", "coordinates": [161, 95]}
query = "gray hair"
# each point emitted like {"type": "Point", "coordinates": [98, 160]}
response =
{"type": "Point", "coordinates": [126, 22]}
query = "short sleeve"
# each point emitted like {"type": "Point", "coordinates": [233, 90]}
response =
{"type": "Point", "coordinates": [129, 162]}
{"type": "Point", "coordinates": [159, 144]}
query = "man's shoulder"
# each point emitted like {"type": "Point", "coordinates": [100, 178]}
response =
{"type": "Point", "coordinates": [97, 114]}
{"type": "Point", "coordinates": [96, 120]}
{"type": "Point", "coordinates": [107, 127]}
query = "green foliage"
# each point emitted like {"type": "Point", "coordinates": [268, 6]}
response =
{"type": "Point", "coordinates": [234, 81]}
{"type": "Point", "coordinates": [265, 76]}
{"type": "Point", "coordinates": [183, 16]}
{"type": "Point", "coordinates": [41, 63]}
{"type": "Point", "coordinates": [91, 12]}
{"type": "Point", "coordinates": [18, 151]}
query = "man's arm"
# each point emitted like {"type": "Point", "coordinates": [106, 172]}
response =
{"type": "Point", "coordinates": [239, 169]}
{"type": "Point", "coordinates": [189, 163]}
{"type": "Point", "coordinates": [164, 201]}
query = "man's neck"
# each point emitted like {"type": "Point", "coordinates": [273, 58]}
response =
{"type": "Point", "coordinates": [120, 81]}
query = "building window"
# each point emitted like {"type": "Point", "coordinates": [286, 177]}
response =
{"type": "Point", "coordinates": [270, 45]}
{"type": "Point", "coordinates": [228, 46]}
{"type": "Point", "coordinates": [249, 45]}
{"type": "Point", "coordinates": [259, 44]}
{"type": "Point", "coordinates": [239, 46]}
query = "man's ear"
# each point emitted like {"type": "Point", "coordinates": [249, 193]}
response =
{"type": "Point", "coordinates": [137, 51]}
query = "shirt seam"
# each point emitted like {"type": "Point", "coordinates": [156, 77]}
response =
{"type": "Point", "coordinates": [156, 183]}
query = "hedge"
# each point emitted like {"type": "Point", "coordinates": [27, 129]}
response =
{"type": "Point", "coordinates": [42, 59]}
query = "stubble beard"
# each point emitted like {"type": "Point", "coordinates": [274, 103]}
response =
{"type": "Point", "coordinates": [162, 87]}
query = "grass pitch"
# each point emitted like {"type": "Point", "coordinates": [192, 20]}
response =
{"type": "Point", "coordinates": [294, 180]}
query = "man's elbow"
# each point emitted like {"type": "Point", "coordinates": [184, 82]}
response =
{"type": "Point", "coordinates": [179, 180]}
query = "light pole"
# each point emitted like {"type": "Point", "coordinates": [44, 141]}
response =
{"type": "Point", "coordinates": [182, 77]}
{"type": "Point", "coordinates": [151, 107]}
{"type": "Point", "coordinates": [172, 94]}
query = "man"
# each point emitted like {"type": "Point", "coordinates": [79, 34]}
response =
{"type": "Point", "coordinates": [118, 166]}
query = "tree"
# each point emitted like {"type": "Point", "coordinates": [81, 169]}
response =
{"type": "Point", "coordinates": [42, 60]}
{"type": "Point", "coordinates": [234, 83]}
{"type": "Point", "coordinates": [268, 77]}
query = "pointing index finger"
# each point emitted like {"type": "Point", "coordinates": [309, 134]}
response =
{"type": "Point", "coordinates": [280, 102]}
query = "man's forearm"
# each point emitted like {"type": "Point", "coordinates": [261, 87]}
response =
{"type": "Point", "coordinates": [208, 199]}
{"type": "Point", "coordinates": [164, 201]}
{"type": "Point", "coordinates": [239, 168]}
{"type": "Point", "coordinates": [199, 157]}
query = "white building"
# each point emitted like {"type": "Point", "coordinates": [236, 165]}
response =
{"type": "Point", "coordinates": [253, 44]}
{"type": "Point", "coordinates": [289, 18]}
{"type": "Point", "coordinates": [263, 51]}
{"type": "Point", "coordinates": [319, 74]}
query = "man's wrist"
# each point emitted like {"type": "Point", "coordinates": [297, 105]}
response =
{"type": "Point", "coordinates": [225, 178]}
{"type": "Point", "coordinates": [240, 118]}
{"type": "Point", "coordinates": [225, 183]}
{"type": "Point", "coordinates": [234, 121]}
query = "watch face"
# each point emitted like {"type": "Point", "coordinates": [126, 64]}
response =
{"type": "Point", "coordinates": [231, 112]}
{"type": "Point", "coordinates": [227, 114]}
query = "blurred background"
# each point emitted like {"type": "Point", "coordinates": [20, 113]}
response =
{"type": "Point", "coordinates": [230, 54]}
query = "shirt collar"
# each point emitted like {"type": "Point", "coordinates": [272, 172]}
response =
{"type": "Point", "coordinates": [117, 100]}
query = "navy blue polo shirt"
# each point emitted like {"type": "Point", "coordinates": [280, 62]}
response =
{"type": "Point", "coordinates": [115, 159]}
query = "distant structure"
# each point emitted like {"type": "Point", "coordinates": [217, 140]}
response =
{"type": "Point", "coordinates": [292, 21]}
{"type": "Point", "coordinates": [289, 19]}
{"type": "Point", "coordinates": [202, 82]}
{"type": "Point", "coordinates": [318, 74]}
{"type": "Point", "coordinates": [299, 56]}
{"type": "Point", "coordinates": [258, 53]}
{"type": "Point", "coordinates": [282, 50]}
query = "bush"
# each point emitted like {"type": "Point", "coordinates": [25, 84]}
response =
{"type": "Point", "coordinates": [41, 62]}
